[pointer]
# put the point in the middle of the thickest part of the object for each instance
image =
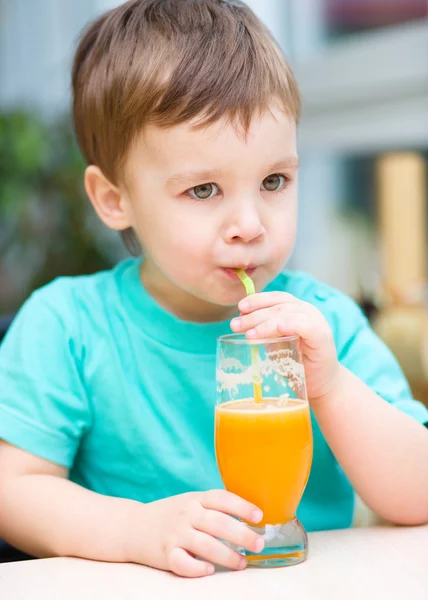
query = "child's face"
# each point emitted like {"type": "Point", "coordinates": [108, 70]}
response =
{"type": "Point", "coordinates": [204, 202]}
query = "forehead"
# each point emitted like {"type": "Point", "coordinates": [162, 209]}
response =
{"type": "Point", "coordinates": [270, 136]}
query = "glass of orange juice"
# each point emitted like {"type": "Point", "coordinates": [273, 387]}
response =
{"type": "Point", "coordinates": [263, 438]}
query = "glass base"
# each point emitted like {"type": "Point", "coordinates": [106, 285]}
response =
{"type": "Point", "coordinates": [285, 545]}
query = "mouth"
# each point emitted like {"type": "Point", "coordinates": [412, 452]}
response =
{"type": "Point", "coordinates": [231, 273]}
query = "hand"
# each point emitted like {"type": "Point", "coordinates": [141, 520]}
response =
{"type": "Point", "coordinates": [178, 529]}
{"type": "Point", "coordinates": [274, 314]}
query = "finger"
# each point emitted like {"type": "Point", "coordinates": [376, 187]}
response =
{"type": "Point", "coordinates": [213, 550]}
{"type": "Point", "coordinates": [293, 324]}
{"type": "Point", "coordinates": [231, 504]}
{"type": "Point", "coordinates": [303, 326]}
{"type": "Point", "coordinates": [181, 563]}
{"type": "Point", "coordinates": [249, 321]}
{"type": "Point", "coordinates": [265, 300]}
{"type": "Point", "coordinates": [227, 528]}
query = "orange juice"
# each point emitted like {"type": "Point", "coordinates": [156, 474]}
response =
{"type": "Point", "coordinates": [264, 453]}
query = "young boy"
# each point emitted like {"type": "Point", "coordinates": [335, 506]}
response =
{"type": "Point", "coordinates": [186, 113]}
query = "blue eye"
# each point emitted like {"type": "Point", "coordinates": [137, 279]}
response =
{"type": "Point", "coordinates": [273, 183]}
{"type": "Point", "coordinates": [204, 191]}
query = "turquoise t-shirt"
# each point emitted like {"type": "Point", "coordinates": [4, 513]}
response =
{"type": "Point", "coordinates": [97, 377]}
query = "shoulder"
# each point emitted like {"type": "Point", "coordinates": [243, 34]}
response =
{"type": "Point", "coordinates": [67, 307]}
{"type": "Point", "coordinates": [64, 291]}
{"type": "Point", "coordinates": [309, 289]}
{"type": "Point", "coordinates": [66, 295]}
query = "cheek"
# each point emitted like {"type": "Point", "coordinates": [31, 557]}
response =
{"type": "Point", "coordinates": [283, 224]}
{"type": "Point", "coordinates": [177, 245]}
{"type": "Point", "coordinates": [191, 240]}
{"type": "Point", "coordinates": [164, 228]}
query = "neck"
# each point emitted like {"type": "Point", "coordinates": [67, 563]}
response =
{"type": "Point", "coordinates": [180, 303]}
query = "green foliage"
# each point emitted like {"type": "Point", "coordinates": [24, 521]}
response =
{"type": "Point", "coordinates": [44, 212]}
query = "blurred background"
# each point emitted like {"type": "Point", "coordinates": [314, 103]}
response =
{"type": "Point", "coordinates": [362, 66]}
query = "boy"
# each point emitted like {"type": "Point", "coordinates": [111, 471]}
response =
{"type": "Point", "coordinates": [186, 113]}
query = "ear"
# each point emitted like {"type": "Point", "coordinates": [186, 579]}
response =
{"type": "Point", "coordinates": [106, 198]}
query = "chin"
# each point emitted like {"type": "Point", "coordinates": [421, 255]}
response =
{"type": "Point", "coordinates": [227, 299]}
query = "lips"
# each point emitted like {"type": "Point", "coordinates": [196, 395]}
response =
{"type": "Point", "coordinates": [231, 273]}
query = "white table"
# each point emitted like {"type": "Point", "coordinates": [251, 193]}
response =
{"type": "Point", "coordinates": [381, 563]}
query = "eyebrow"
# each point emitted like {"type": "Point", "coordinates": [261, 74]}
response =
{"type": "Point", "coordinates": [186, 176]}
{"type": "Point", "coordinates": [290, 162]}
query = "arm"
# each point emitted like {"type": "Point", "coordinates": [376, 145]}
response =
{"type": "Point", "coordinates": [383, 451]}
{"type": "Point", "coordinates": [45, 514]}
{"type": "Point", "coordinates": [44, 411]}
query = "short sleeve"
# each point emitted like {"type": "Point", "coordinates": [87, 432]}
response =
{"type": "Point", "coordinates": [363, 352]}
{"type": "Point", "coordinates": [43, 405]}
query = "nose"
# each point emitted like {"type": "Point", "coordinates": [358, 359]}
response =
{"type": "Point", "coordinates": [244, 223]}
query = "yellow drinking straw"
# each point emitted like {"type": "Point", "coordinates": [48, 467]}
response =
{"type": "Point", "coordinates": [257, 380]}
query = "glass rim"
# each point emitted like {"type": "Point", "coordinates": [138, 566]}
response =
{"type": "Point", "coordinates": [240, 339]}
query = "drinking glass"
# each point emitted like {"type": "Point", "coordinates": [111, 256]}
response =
{"type": "Point", "coordinates": [263, 438]}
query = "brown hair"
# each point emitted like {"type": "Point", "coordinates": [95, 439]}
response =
{"type": "Point", "coordinates": [169, 61]}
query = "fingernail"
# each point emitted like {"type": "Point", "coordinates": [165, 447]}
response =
{"type": "Point", "coordinates": [236, 323]}
{"type": "Point", "coordinates": [259, 545]}
{"type": "Point", "coordinates": [210, 570]}
{"type": "Point", "coordinates": [257, 516]}
{"type": "Point", "coordinates": [251, 333]}
{"type": "Point", "coordinates": [244, 305]}
{"type": "Point", "coordinates": [242, 563]}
